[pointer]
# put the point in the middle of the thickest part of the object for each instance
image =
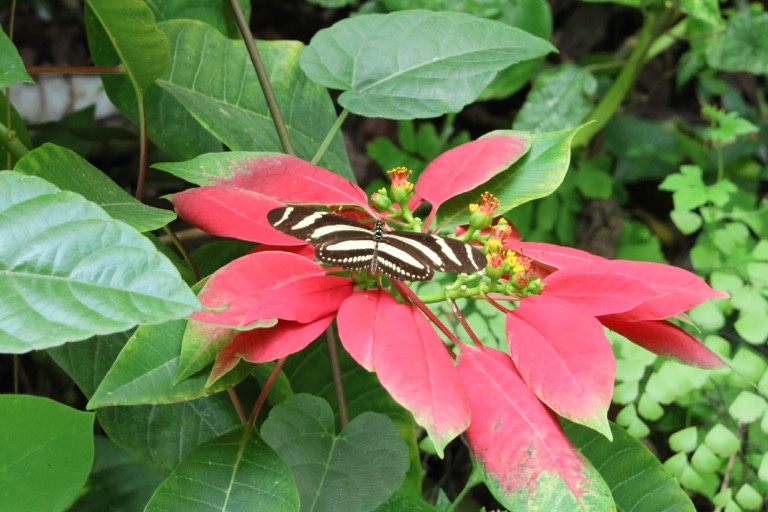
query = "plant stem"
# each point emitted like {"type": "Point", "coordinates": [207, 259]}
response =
{"type": "Point", "coordinates": [338, 383]}
{"type": "Point", "coordinates": [265, 390]}
{"type": "Point", "coordinates": [330, 135]}
{"type": "Point", "coordinates": [261, 73]}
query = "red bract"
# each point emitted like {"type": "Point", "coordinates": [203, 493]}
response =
{"type": "Point", "coordinates": [633, 298]}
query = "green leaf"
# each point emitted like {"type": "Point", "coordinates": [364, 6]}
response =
{"type": "Point", "coordinates": [218, 13]}
{"type": "Point", "coordinates": [684, 440]}
{"type": "Point", "coordinates": [19, 128]}
{"type": "Point", "coordinates": [69, 171]}
{"type": "Point", "coordinates": [752, 327]}
{"type": "Point", "coordinates": [416, 63]}
{"type": "Point", "coordinates": [161, 436]}
{"type": "Point", "coordinates": [310, 371]}
{"type": "Point", "coordinates": [742, 46]}
{"type": "Point", "coordinates": [118, 482]}
{"type": "Point", "coordinates": [686, 221]}
{"type": "Point", "coordinates": [235, 471]}
{"type": "Point", "coordinates": [635, 476]}
{"type": "Point", "coordinates": [214, 79]}
{"type": "Point", "coordinates": [140, 46]}
{"type": "Point", "coordinates": [707, 11]}
{"type": "Point", "coordinates": [537, 174]}
{"type": "Point", "coordinates": [46, 452]}
{"type": "Point", "coordinates": [355, 470]}
{"type": "Point", "coordinates": [12, 69]}
{"type": "Point", "coordinates": [69, 271]}
{"type": "Point", "coordinates": [747, 407]}
{"type": "Point", "coordinates": [561, 96]}
{"type": "Point", "coordinates": [533, 16]}
{"type": "Point", "coordinates": [169, 125]}
{"type": "Point", "coordinates": [645, 149]}
{"type": "Point", "coordinates": [145, 369]}
{"type": "Point", "coordinates": [88, 361]}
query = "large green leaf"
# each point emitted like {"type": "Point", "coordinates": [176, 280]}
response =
{"type": "Point", "coordinates": [145, 369]}
{"type": "Point", "coordinates": [635, 476]}
{"type": "Point", "coordinates": [561, 96]}
{"type": "Point", "coordinates": [310, 371]}
{"type": "Point", "coordinates": [87, 362]}
{"type": "Point", "coordinates": [742, 46]}
{"type": "Point", "coordinates": [117, 483]}
{"type": "Point", "coordinates": [414, 64]}
{"type": "Point", "coordinates": [70, 271]}
{"type": "Point", "coordinates": [159, 435]}
{"type": "Point", "coordinates": [169, 125]}
{"type": "Point", "coordinates": [141, 47]}
{"type": "Point", "coordinates": [214, 79]}
{"type": "Point", "coordinates": [233, 472]}
{"type": "Point", "coordinates": [537, 174]}
{"type": "Point", "coordinates": [355, 470]}
{"type": "Point", "coordinates": [11, 66]}
{"type": "Point", "coordinates": [162, 435]}
{"type": "Point", "coordinates": [46, 452]}
{"type": "Point", "coordinates": [69, 171]}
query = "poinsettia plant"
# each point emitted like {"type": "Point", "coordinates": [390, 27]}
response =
{"type": "Point", "coordinates": [552, 302]}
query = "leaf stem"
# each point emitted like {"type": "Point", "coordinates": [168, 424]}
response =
{"type": "Point", "coordinates": [407, 293]}
{"type": "Point", "coordinates": [261, 73]}
{"type": "Point", "coordinates": [338, 383]}
{"type": "Point", "coordinates": [265, 390]}
{"type": "Point", "coordinates": [183, 251]}
{"type": "Point", "coordinates": [330, 135]}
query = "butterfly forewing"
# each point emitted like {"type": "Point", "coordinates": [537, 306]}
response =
{"type": "Point", "coordinates": [354, 246]}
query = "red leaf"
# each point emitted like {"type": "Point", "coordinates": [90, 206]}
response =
{"type": "Point", "coordinates": [469, 165]}
{"type": "Point", "coordinates": [564, 357]}
{"type": "Point", "coordinates": [236, 291]}
{"type": "Point", "coordinates": [305, 300]}
{"type": "Point", "coordinates": [293, 180]}
{"type": "Point", "coordinates": [410, 360]}
{"type": "Point", "coordinates": [263, 345]}
{"type": "Point", "coordinates": [665, 339]}
{"type": "Point", "coordinates": [598, 292]}
{"type": "Point", "coordinates": [525, 457]}
{"type": "Point", "coordinates": [682, 290]}
{"type": "Point", "coordinates": [554, 256]}
{"type": "Point", "coordinates": [231, 212]}
{"type": "Point", "coordinates": [358, 320]}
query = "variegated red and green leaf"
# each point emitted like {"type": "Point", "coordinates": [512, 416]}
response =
{"type": "Point", "coordinates": [526, 460]}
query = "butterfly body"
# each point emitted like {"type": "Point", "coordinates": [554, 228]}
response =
{"type": "Point", "coordinates": [404, 256]}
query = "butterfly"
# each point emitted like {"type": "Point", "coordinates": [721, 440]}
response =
{"type": "Point", "coordinates": [405, 256]}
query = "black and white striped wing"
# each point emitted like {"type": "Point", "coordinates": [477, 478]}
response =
{"type": "Point", "coordinates": [354, 246]}
{"type": "Point", "coordinates": [416, 256]}
{"type": "Point", "coordinates": [337, 240]}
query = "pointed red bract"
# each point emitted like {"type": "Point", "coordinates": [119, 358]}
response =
{"type": "Point", "coordinates": [296, 181]}
{"type": "Point", "coordinates": [518, 442]}
{"type": "Point", "coordinates": [597, 291]}
{"type": "Point", "coordinates": [682, 290]}
{"type": "Point", "coordinates": [410, 360]}
{"type": "Point", "coordinates": [231, 212]}
{"type": "Point", "coordinates": [665, 339]}
{"type": "Point", "coordinates": [270, 344]}
{"type": "Point", "coordinates": [554, 256]}
{"type": "Point", "coordinates": [235, 293]}
{"type": "Point", "coordinates": [564, 357]}
{"type": "Point", "coordinates": [469, 165]}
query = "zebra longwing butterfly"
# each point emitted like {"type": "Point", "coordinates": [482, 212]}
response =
{"type": "Point", "coordinates": [404, 256]}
